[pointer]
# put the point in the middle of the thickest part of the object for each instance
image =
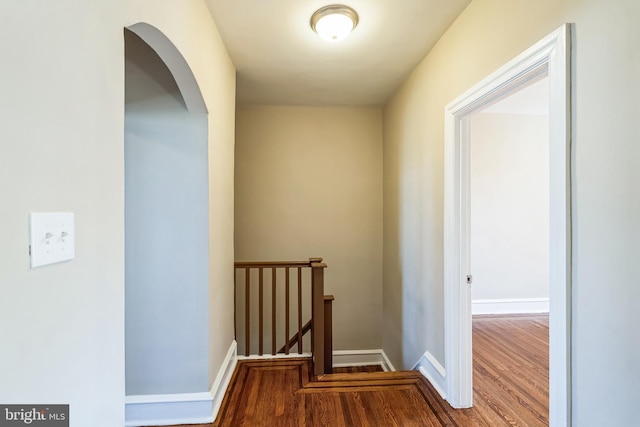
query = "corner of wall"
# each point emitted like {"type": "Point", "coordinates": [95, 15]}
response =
{"type": "Point", "coordinates": [433, 371]}
{"type": "Point", "coordinates": [223, 379]}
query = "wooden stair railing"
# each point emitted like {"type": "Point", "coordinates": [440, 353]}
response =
{"type": "Point", "coordinates": [328, 334]}
{"type": "Point", "coordinates": [320, 324]}
{"type": "Point", "coordinates": [295, 338]}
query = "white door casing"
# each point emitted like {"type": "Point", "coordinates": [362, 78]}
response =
{"type": "Point", "coordinates": [552, 56]}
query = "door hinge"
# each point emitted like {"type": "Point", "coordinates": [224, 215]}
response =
{"type": "Point", "coordinates": [469, 279]}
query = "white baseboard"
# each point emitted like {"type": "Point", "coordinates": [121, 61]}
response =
{"type": "Point", "coordinates": [433, 371]}
{"type": "Point", "coordinates": [361, 358]}
{"type": "Point", "coordinates": [510, 306]}
{"type": "Point", "coordinates": [182, 408]}
{"type": "Point", "coordinates": [221, 383]}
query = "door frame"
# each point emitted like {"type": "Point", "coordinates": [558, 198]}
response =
{"type": "Point", "coordinates": [552, 56]}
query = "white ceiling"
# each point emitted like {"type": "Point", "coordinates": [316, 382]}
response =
{"type": "Point", "coordinates": [280, 60]}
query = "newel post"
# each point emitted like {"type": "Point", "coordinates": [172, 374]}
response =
{"type": "Point", "coordinates": [317, 314]}
{"type": "Point", "coordinates": [328, 334]}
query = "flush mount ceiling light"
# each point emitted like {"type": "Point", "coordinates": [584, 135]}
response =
{"type": "Point", "coordinates": [334, 22]}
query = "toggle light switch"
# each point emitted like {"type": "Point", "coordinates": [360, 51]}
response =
{"type": "Point", "coordinates": [52, 238]}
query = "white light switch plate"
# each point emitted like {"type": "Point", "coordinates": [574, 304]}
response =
{"type": "Point", "coordinates": [52, 238]}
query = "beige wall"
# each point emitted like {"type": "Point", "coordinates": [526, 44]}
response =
{"type": "Point", "coordinates": [308, 184]}
{"type": "Point", "coordinates": [605, 192]}
{"type": "Point", "coordinates": [61, 149]}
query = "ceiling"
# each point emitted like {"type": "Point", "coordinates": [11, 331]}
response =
{"type": "Point", "coordinates": [281, 61]}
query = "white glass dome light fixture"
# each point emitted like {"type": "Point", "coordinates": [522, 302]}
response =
{"type": "Point", "coordinates": [334, 22]}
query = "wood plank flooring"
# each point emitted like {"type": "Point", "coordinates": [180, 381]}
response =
{"type": "Point", "coordinates": [510, 388]}
{"type": "Point", "coordinates": [511, 369]}
{"type": "Point", "coordinates": [279, 393]}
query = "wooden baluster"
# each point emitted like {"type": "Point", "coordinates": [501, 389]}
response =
{"type": "Point", "coordinates": [247, 310]}
{"type": "Point", "coordinates": [286, 311]}
{"type": "Point", "coordinates": [317, 314]}
{"type": "Point", "coordinates": [273, 311]}
{"type": "Point", "coordinates": [299, 310]}
{"type": "Point", "coordinates": [260, 311]}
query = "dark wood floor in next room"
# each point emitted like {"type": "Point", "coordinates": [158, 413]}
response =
{"type": "Point", "coordinates": [510, 388]}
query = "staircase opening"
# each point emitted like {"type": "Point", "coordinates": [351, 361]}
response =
{"type": "Point", "coordinates": [273, 301]}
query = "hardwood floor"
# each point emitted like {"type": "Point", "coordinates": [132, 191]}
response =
{"type": "Point", "coordinates": [511, 369]}
{"type": "Point", "coordinates": [510, 388]}
{"type": "Point", "coordinates": [280, 393]}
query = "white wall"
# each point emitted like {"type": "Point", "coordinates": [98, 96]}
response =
{"type": "Point", "coordinates": [166, 231]}
{"type": "Point", "coordinates": [509, 206]}
{"type": "Point", "coordinates": [309, 184]}
{"type": "Point", "coordinates": [61, 126]}
{"type": "Point", "coordinates": [62, 149]}
{"type": "Point", "coordinates": [605, 194]}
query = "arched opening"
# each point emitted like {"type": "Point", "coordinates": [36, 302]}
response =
{"type": "Point", "coordinates": [166, 220]}
{"type": "Point", "coordinates": [174, 63]}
